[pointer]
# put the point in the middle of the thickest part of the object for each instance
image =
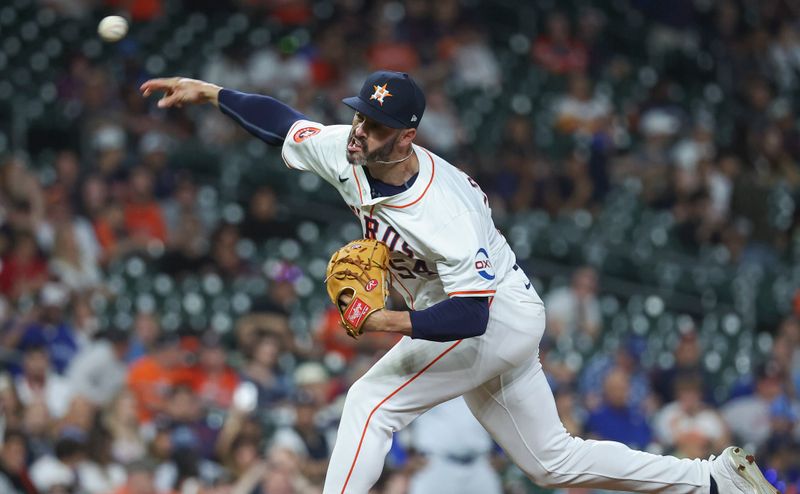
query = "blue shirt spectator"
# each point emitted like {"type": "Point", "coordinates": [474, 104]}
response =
{"type": "Point", "coordinates": [614, 420]}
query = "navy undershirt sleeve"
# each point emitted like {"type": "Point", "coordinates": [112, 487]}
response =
{"type": "Point", "coordinates": [453, 319]}
{"type": "Point", "coordinates": [263, 116]}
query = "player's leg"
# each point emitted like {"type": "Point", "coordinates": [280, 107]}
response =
{"type": "Point", "coordinates": [518, 409]}
{"type": "Point", "coordinates": [411, 378]}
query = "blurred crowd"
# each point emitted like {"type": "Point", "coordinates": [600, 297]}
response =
{"type": "Point", "coordinates": [88, 408]}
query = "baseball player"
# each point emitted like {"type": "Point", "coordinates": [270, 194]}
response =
{"type": "Point", "coordinates": [475, 321]}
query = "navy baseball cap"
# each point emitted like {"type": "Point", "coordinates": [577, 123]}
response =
{"type": "Point", "coordinates": [390, 98]}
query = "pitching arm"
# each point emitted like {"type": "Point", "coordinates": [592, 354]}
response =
{"type": "Point", "coordinates": [263, 116]}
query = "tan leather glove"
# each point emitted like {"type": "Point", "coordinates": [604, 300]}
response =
{"type": "Point", "coordinates": [360, 270]}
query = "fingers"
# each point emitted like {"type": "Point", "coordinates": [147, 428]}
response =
{"type": "Point", "coordinates": [171, 99]}
{"type": "Point", "coordinates": [162, 84]}
{"type": "Point", "coordinates": [344, 300]}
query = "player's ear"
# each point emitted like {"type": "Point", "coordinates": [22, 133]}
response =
{"type": "Point", "coordinates": [407, 136]}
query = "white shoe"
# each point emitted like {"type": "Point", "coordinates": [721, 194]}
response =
{"type": "Point", "coordinates": [735, 471]}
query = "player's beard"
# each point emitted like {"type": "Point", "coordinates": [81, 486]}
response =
{"type": "Point", "coordinates": [365, 157]}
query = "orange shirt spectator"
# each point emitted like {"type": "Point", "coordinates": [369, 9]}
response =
{"type": "Point", "coordinates": [143, 217]}
{"type": "Point", "coordinates": [213, 380]}
{"type": "Point", "coordinates": [146, 220]}
{"type": "Point", "coordinates": [333, 337]}
{"type": "Point", "coordinates": [152, 377]}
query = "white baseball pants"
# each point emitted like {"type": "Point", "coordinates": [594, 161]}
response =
{"type": "Point", "coordinates": [504, 386]}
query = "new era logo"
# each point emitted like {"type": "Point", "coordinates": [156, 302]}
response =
{"type": "Point", "coordinates": [414, 118]}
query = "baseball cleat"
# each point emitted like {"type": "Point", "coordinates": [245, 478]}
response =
{"type": "Point", "coordinates": [735, 471]}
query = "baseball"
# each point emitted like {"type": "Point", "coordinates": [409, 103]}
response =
{"type": "Point", "coordinates": [112, 28]}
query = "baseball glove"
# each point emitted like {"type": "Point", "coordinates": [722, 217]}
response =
{"type": "Point", "coordinates": [360, 269]}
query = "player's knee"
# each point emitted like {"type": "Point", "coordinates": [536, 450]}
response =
{"type": "Point", "coordinates": [548, 479]}
{"type": "Point", "coordinates": [548, 470]}
{"type": "Point", "coordinates": [361, 397]}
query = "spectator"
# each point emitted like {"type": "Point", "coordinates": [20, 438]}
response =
{"type": "Point", "coordinates": [52, 327]}
{"type": "Point", "coordinates": [331, 339]}
{"type": "Point", "coordinates": [114, 237]}
{"type": "Point", "coordinates": [225, 257]}
{"type": "Point", "coordinates": [37, 425]}
{"type": "Point", "coordinates": [122, 420]}
{"type": "Point", "coordinates": [474, 64]}
{"type": "Point", "coordinates": [185, 206]}
{"type": "Point", "coordinates": [154, 150]}
{"type": "Point", "coordinates": [575, 184]}
{"type": "Point", "coordinates": [457, 450]}
{"type": "Point", "coordinates": [246, 463]}
{"type": "Point", "coordinates": [98, 371]}
{"type": "Point", "coordinates": [78, 420]}
{"type": "Point", "coordinates": [313, 379]}
{"type": "Point", "coordinates": [214, 381]}
{"type": "Point", "coordinates": [785, 54]}
{"type": "Point", "coordinates": [141, 480]}
{"type": "Point", "coordinates": [23, 270]}
{"type": "Point", "coordinates": [153, 377]}
{"type": "Point", "coordinates": [269, 70]}
{"type": "Point", "coordinates": [146, 332]}
{"type": "Point", "coordinates": [11, 410]}
{"type": "Point", "coordinates": [627, 357]}
{"type": "Point", "coordinates": [591, 34]}
{"type": "Point", "coordinates": [441, 129]}
{"type": "Point", "coordinates": [263, 219]}
{"type": "Point", "coordinates": [580, 111]}
{"type": "Point", "coordinates": [688, 418]}
{"type": "Point", "coordinates": [557, 51]}
{"type": "Point", "coordinates": [143, 217]}
{"type": "Point", "coordinates": [94, 197]}
{"type": "Point", "coordinates": [99, 474]}
{"type": "Point", "coordinates": [39, 382]}
{"type": "Point", "coordinates": [14, 475]}
{"type": "Point", "coordinates": [570, 411]}
{"type": "Point", "coordinates": [70, 264]}
{"type": "Point", "coordinates": [688, 354]}
{"type": "Point", "coordinates": [108, 143]}
{"type": "Point", "coordinates": [227, 68]}
{"type": "Point", "coordinates": [614, 420]}
{"type": "Point", "coordinates": [307, 437]}
{"type": "Point", "coordinates": [573, 311]}
{"type": "Point", "coordinates": [748, 417]}
{"type": "Point", "coordinates": [185, 417]}
{"type": "Point", "coordinates": [387, 52]}
{"type": "Point", "coordinates": [56, 474]}
{"type": "Point", "coordinates": [262, 369]}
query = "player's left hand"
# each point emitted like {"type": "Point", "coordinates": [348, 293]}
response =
{"type": "Point", "coordinates": [374, 322]}
{"type": "Point", "coordinates": [359, 270]}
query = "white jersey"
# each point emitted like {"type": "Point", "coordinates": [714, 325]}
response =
{"type": "Point", "coordinates": [440, 231]}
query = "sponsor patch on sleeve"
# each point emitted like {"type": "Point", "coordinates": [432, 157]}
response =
{"type": "Point", "coordinates": [483, 265]}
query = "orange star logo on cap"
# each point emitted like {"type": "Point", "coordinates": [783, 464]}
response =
{"type": "Point", "coordinates": [380, 93]}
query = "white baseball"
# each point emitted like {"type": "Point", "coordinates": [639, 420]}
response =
{"type": "Point", "coordinates": [112, 28]}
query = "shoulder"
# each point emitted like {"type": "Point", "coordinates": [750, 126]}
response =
{"type": "Point", "coordinates": [315, 132]}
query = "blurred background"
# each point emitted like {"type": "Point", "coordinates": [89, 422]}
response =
{"type": "Point", "coordinates": [163, 322]}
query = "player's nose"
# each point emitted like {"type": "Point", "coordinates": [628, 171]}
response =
{"type": "Point", "coordinates": [359, 131]}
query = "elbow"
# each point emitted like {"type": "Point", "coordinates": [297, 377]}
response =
{"type": "Point", "coordinates": [480, 324]}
